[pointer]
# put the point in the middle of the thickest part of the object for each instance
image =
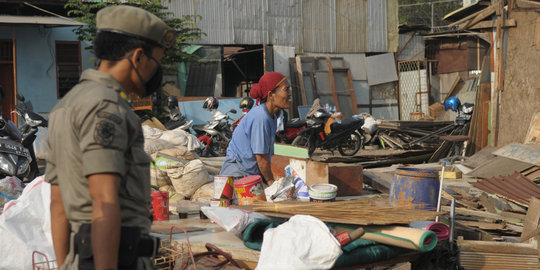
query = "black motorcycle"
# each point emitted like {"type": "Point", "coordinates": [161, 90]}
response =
{"type": "Point", "coordinates": [343, 136]}
{"type": "Point", "coordinates": [216, 134]}
{"type": "Point", "coordinates": [17, 157]}
{"type": "Point", "coordinates": [176, 119]}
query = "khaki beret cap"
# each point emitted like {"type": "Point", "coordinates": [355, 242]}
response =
{"type": "Point", "coordinates": [133, 21]}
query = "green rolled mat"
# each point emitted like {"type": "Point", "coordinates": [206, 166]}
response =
{"type": "Point", "coordinates": [362, 251]}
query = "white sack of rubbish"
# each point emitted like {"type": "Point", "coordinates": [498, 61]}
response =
{"type": "Point", "coordinates": [25, 226]}
{"type": "Point", "coordinates": [303, 242]}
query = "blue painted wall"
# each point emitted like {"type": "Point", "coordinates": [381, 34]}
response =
{"type": "Point", "coordinates": [36, 65]}
{"type": "Point", "coordinates": [193, 110]}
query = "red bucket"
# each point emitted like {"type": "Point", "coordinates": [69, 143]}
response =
{"type": "Point", "coordinates": [160, 203]}
{"type": "Point", "coordinates": [249, 189]}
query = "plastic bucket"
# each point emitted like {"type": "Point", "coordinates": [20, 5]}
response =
{"type": "Point", "coordinates": [224, 187]}
{"type": "Point", "coordinates": [249, 189]}
{"type": "Point", "coordinates": [160, 203]}
{"type": "Point", "coordinates": [322, 193]}
{"type": "Point", "coordinates": [415, 188]}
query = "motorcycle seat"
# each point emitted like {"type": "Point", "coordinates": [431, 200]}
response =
{"type": "Point", "coordinates": [198, 127]}
{"type": "Point", "coordinates": [346, 124]}
{"type": "Point", "coordinates": [296, 123]}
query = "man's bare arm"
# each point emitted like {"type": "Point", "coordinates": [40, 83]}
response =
{"type": "Point", "coordinates": [106, 219]}
{"type": "Point", "coordinates": [264, 166]}
{"type": "Point", "coordinates": [59, 226]}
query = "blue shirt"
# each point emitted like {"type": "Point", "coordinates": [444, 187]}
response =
{"type": "Point", "coordinates": [254, 135]}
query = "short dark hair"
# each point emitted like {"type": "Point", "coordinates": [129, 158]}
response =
{"type": "Point", "coordinates": [114, 46]}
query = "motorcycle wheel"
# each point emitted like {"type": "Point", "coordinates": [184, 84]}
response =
{"type": "Point", "coordinates": [351, 145]}
{"type": "Point", "coordinates": [300, 141]}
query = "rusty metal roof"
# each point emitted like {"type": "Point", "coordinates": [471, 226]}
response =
{"type": "Point", "coordinates": [515, 187]}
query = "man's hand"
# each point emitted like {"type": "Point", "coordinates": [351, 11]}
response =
{"type": "Point", "coordinates": [106, 220]}
{"type": "Point", "coordinates": [264, 166]}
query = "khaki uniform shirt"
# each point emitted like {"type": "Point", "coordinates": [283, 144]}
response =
{"type": "Point", "coordinates": [92, 130]}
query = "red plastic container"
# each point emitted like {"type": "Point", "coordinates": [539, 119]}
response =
{"type": "Point", "coordinates": [160, 203]}
{"type": "Point", "coordinates": [249, 189]}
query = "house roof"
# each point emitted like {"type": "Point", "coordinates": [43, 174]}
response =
{"type": "Point", "coordinates": [37, 20]}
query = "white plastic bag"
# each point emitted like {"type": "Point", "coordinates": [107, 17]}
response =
{"type": "Point", "coordinates": [303, 242]}
{"type": "Point", "coordinates": [370, 125]}
{"type": "Point", "coordinates": [231, 219]}
{"type": "Point", "coordinates": [10, 188]}
{"type": "Point", "coordinates": [25, 226]}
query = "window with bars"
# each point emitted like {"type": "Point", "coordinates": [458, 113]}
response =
{"type": "Point", "coordinates": [68, 65]}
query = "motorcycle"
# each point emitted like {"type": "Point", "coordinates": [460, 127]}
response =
{"type": "Point", "coordinates": [343, 135]}
{"type": "Point", "coordinates": [291, 129]}
{"type": "Point", "coordinates": [216, 134]}
{"type": "Point", "coordinates": [17, 156]}
{"type": "Point", "coordinates": [176, 119]}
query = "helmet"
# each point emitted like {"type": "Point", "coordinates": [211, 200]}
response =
{"type": "Point", "coordinates": [172, 102]}
{"type": "Point", "coordinates": [452, 103]}
{"type": "Point", "coordinates": [211, 103]}
{"type": "Point", "coordinates": [246, 103]}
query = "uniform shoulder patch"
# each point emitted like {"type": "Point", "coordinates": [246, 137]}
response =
{"type": "Point", "coordinates": [110, 116]}
{"type": "Point", "coordinates": [104, 132]}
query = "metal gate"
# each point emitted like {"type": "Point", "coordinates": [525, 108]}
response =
{"type": "Point", "coordinates": [414, 89]}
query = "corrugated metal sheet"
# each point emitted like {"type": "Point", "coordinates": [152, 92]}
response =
{"type": "Point", "coordinates": [325, 26]}
{"type": "Point", "coordinates": [515, 187]}
{"type": "Point", "coordinates": [415, 48]}
{"type": "Point", "coordinates": [316, 25]}
{"type": "Point", "coordinates": [377, 31]}
{"type": "Point", "coordinates": [351, 26]}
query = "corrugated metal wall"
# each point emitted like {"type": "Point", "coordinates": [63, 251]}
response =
{"type": "Point", "coordinates": [327, 26]}
{"type": "Point", "coordinates": [415, 48]}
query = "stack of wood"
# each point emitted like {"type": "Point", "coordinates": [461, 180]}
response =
{"type": "Point", "coordinates": [413, 134]}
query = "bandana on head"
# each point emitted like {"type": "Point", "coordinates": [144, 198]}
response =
{"type": "Point", "coordinates": [267, 83]}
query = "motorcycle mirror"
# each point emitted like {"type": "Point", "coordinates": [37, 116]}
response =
{"type": "Point", "coordinates": [20, 97]}
{"type": "Point", "coordinates": [233, 111]}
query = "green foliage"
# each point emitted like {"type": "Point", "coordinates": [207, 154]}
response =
{"type": "Point", "coordinates": [85, 11]}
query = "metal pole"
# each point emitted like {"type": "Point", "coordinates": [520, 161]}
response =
{"type": "Point", "coordinates": [432, 11]}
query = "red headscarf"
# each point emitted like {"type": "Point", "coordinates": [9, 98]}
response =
{"type": "Point", "coordinates": [268, 82]}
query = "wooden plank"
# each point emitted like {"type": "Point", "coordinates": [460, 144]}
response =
{"type": "Point", "coordinates": [527, 4]}
{"type": "Point", "coordinates": [497, 167]}
{"type": "Point", "coordinates": [483, 225]}
{"type": "Point", "coordinates": [510, 217]}
{"type": "Point", "coordinates": [496, 247]}
{"type": "Point", "coordinates": [532, 220]}
{"type": "Point", "coordinates": [379, 180]}
{"type": "Point", "coordinates": [533, 134]}
{"type": "Point", "coordinates": [537, 34]}
{"type": "Point", "coordinates": [482, 15]}
{"type": "Point", "coordinates": [332, 83]}
{"type": "Point", "coordinates": [481, 157]}
{"type": "Point", "coordinates": [493, 24]}
{"type": "Point", "coordinates": [453, 88]}
{"type": "Point", "coordinates": [352, 95]}
{"type": "Point", "coordinates": [529, 154]}
{"type": "Point", "coordinates": [472, 16]}
{"type": "Point", "coordinates": [301, 79]}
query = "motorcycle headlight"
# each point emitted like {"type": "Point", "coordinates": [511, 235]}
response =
{"type": "Point", "coordinates": [6, 166]}
{"type": "Point", "coordinates": [23, 166]}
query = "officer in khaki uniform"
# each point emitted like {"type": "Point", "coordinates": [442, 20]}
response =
{"type": "Point", "coordinates": [96, 164]}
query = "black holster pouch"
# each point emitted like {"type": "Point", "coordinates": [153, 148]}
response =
{"type": "Point", "coordinates": [132, 245]}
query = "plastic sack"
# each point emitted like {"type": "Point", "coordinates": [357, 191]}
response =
{"type": "Point", "coordinates": [151, 133]}
{"type": "Point", "coordinates": [303, 242]}
{"type": "Point", "coordinates": [231, 219]}
{"type": "Point", "coordinates": [187, 178]}
{"type": "Point", "coordinates": [25, 226]}
{"type": "Point", "coordinates": [281, 190]}
{"type": "Point", "coordinates": [301, 189]}
{"type": "Point", "coordinates": [370, 125]}
{"type": "Point", "coordinates": [10, 189]}
{"type": "Point", "coordinates": [152, 146]}
{"type": "Point", "coordinates": [180, 137]}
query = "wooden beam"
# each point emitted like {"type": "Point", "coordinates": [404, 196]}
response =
{"type": "Point", "coordinates": [353, 96]}
{"type": "Point", "coordinates": [332, 84]}
{"type": "Point", "coordinates": [301, 79]}
{"type": "Point", "coordinates": [406, 43]}
{"type": "Point", "coordinates": [453, 88]}
{"type": "Point", "coordinates": [472, 16]}
{"type": "Point", "coordinates": [493, 24]}
{"type": "Point", "coordinates": [481, 15]}
{"type": "Point", "coordinates": [528, 4]}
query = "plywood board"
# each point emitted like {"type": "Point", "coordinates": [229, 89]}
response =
{"type": "Point", "coordinates": [525, 153]}
{"type": "Point", "coordinates": [532, 219]}
{"type": "Point", "coordinates": [533, 135]}
{"type": "Point", "coordinates": [498, 166]}
{"type": "Point", "coordinates": [381, 69]}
